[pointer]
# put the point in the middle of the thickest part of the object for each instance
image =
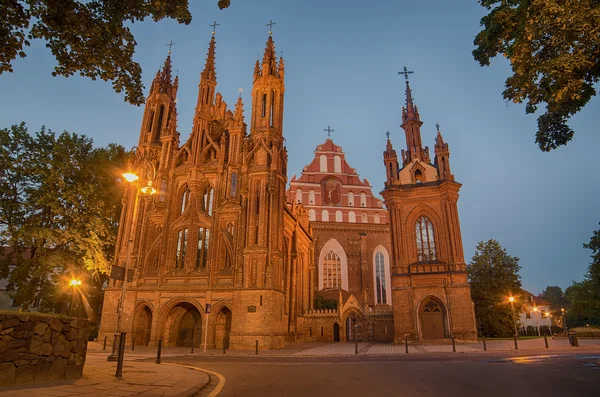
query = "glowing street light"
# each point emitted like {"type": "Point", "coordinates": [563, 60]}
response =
{"type": "Point", "coordinates": [74, 283]}
{"type": "Point", "coordinates": [511, 299]}
{"type": "Point", "coordinates": [130, 177]}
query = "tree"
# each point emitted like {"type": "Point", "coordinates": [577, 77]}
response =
{"type": "Point", "coordinates": [494, 276]}
{"type": "Point", "coordinates": [584, 296]}
{"type": "Point", "coordinates": [553, 47]}
{"type": "Point", "coordinates": [555, 295]}
{"type": "Point", "coordinates": [59, 204]}
{"type": "Point", "coordinates": [91, 38]}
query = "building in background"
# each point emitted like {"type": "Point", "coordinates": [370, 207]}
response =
{"type": "Point", "coordinates": [535, 318]}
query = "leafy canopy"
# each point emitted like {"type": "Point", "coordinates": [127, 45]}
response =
{"type": "Point", "coordinates": [494, 276]}
{"type": "Point", "coordinates": [92, 38]}
{"type": "Point", "coordinates": [554, 50]}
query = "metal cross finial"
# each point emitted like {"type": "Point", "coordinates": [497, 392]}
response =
{"type": "Point", "coordinates": [329, 130]}
{"type": "Point", "coordinates": [437, 126]}
{"type": "Point", "coordinates": [387, 133]}
{"type": "Point", "coordinates": [171, 44]}
{"type": "Point", "coordinates": [214, 26]}
{"type": "Point", "coordinates": [270, 25]}
{"type": "Point", "coordinates": [406, 72]}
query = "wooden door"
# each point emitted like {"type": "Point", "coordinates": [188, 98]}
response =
{"type": "Point", "coordinates": [432, 321]}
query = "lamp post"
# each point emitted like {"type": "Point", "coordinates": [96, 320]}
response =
{"type": "Point", "coordinates": [537, 325]}
{"type": "Point", "coordinates": [511, 299]}
{"type": "Point", "coordinates": [133, 179]}
{"type": "Point", "coordinates": [549, 317]}
{"type": "Point", "coordinates": [564, 321]}
{"type": "Point", "coordinates": [73, 284]}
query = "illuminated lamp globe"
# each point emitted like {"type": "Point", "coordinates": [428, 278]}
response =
{"type": "Point", "coordinates": [130, 177]}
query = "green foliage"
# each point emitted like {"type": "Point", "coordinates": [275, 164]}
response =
{"type": "Point", "coordinates": [322, 303]}
{"type": "Point", "coordinates": [59, 209]}
{"type": "Point", "coordinates": [92, 38]}
{"type": "Point", "coordinates": [552, 46]}
{"type": "Point", "coordinates": [494, 276]}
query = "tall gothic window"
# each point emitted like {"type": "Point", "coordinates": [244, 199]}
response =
{"type": "Point", "coordinates": [207, 199]}
{"type": "Point", "coordinates": [181, 248]}
{"type": "Point", "coordinates": [185, 199]}
{"type": "Point", "coordinates": [264, 105]}
{"type": "Point", "coordinates": [161, 115]}
{"type": "Point", "coordinates": [332, 271]}
{"type": "Point", "coordinates": [425, 240]}
{"type": "Point", "coordinates": [233, 187]}
{"type": "Point", "coordinates": [202, 248]}
{"type": "Point", "coordinates": [380, 278]}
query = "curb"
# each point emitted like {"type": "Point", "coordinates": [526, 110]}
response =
{"type": "Point", "coordinates": [197, 388]}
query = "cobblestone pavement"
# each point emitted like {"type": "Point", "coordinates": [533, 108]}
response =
{"type": "Point", "coordinates": [139, 379]}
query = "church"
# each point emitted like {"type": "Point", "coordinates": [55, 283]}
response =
{"type": "Point", "coordinates": [226, 255]}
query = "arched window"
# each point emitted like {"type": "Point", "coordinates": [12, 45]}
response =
{"type": "Point", "coordinates": [351, 217]}
{"type": "Point", "coordinates": [376, 218]}
{"type": "Point", "coordinates": [332, 271]}
{"type": "Point", "coordinates": [312, 215]}
{"type": "Point", "coordinates": [363, 199]}
{"type": "Point", "coordinates": [161, 115]}
{"type": "Point", "coordinates": [272, 107]}
{"type": "Point", "coordinates": [311, 196]}
{"type": "Point", "coordinates": [418, 176]}
{"type": "Point", "coordinates": [233, 187]}
{"type": "Point", "coordinates": [162, 194]}
{"type": "Point", "coordinates": [350, 199]}
{"type": "Point", "coordinates": [339, 217]}
{"type": "Point", "coordinates": [264, 105]}
{"type": "Point", "coordinates": [298, 195]}
{"type": "Point", "coordinates": [337, 164]}
{"type": "Point", "coordinates": [325, 216]}
{"type": "Point", "coordinates": [380, 282]}
{"type": "Point", "coordinates": [425, 240]}
{"type": "Point", "coordinates": [185, 199]}
{"type": "Point", "coordinates": [207, 200]}
{"type": "Point", "coordinates": [323, 163]}
{"type": "Point", "coordinates": [202, 248]}
{"type": "Point", "coordinates": [181, 248]}
{"type": "Point", "coordinates": [364, 217]}
{"type": "Point", "coordinates": [150, 120]}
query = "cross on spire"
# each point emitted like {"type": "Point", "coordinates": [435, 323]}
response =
{"type": "Point", "coordinates": [270, 25]}
{"type": "Point", "coordinates": [406, 72]}
{"type": "Point", "coordinates": [171, 44]}
{"type": "Point", "coordinates": [329, 130]}
{"type": "Point", "coordinates": [387, 133]}
{"type": "Point", "coordinates": [437, 126]}
{"type": "Point", "coordinates": [214, 27]}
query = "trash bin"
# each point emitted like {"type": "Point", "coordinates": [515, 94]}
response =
{"type": "Point", "coordinates": [573, 338]}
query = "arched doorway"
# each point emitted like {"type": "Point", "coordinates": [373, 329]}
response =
{"type": "Point", "coordinates": [223, 328]}
{"type": "Point", "coordinates": [432, 320]}
{"type": "Point", "coordinates": [184, 326]}
{"type": "Point", "coordinates": [336, 332]}
{"type": "Point", "coordinates": [143, 326]}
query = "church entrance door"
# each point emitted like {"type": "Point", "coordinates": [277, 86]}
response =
{"type": "Point", "coordinates": [143, 325]}
{"type": "Point", "coordinates": [336, 332]}
{"type": "Point", "coordinates": [223, 329]}
{"type": "Point", "coordinates": [432, 321]}
{"type": "Point", "coordinates": [184, 326]}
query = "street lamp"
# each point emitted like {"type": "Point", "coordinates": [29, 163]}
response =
{"type": "Point", "coordinates": [537, 325]}
{"type": "Point", "coordinates": [74, 283]}
{"type": "Point", "coordinates": [564, 321]}
{"type": "Point", "coordinates": [511, 299]}
{"type": "Point", "coordinates": [149, 170]}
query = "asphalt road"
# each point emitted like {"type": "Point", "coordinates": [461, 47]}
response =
{"type": "Point", "coordinates": [496, 374]}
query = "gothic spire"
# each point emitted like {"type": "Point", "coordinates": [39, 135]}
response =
{"type": "Point", "coordinates": [269, 63]}
{"type": "Point", "coordinates": [209, 72]}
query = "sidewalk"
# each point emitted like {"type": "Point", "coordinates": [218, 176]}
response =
{"type": "Point", "coordinates": [139, 379]}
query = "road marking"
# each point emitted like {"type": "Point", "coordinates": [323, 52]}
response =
{"type": "Point", "coordinates": [221, 378]}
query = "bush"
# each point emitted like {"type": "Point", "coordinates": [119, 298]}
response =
{"type": "Point", "coordinates": [322, 303]}
{"type": "Point", "coordinates": [593, 332]}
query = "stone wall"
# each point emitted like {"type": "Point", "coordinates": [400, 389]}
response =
{"type": "Point", "coordinates": [39, 347]}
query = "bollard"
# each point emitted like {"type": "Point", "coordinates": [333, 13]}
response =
{"type": "Point", "coordinates": [119, 373]}
{"type": "Point", "coordinates": [192, 347]}
{"type": "Point", "coordinates": [516, 346]}
{"type": "Point", "coordinates": [133, 344]}
{"type": "Point", "coordinates": [575, 341]}
{"type": "Point", "coordinates": [256, 347]}
{"type": "Point", "coordinates": [355, 345]}
{"type": "Point", "coordinates": [406, 345]}
{"type": "Point", "coordinates": [546, 341]}
{"type": "Point", "coordinates": [158, 352]}
{"type": "Point", "coordinates": [484, 345]}
{"type": "Point", "coordinates": [224, 347]}
{"type": "Point", "coordinates": [104, 347]}
{"type": "Point", "coordinates": [453, 346]}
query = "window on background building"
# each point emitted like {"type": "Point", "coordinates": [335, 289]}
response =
{"type": "Point", "coordinates": [418, 176]}
{"type": "Point", "coordinates": [376, 218]}
{"type": "Point", "coordinates": [337, 164]}
{"type": "Point", "coordinates": [323, 163]}
{"type": "Point", "coordinates": [312, 215]}
{"type": "Point", "coordinates": [185, 199]}
{"type": "Point", "coordinates": [338, 216]}
{"type": "Point", "coordinates": [351, 217]}
{"type": "Point", "coordinates": [298, 195]}
{"type": "Point", "coordinates": [325, 216]}
{"type": "Point", "coordinates": [527, 313]}
{"type": "Point", "coordinates": [202, 247]}
{"type": "Point", "coordinates": [332, 271]}
{"type": "Point", "coordinates": [350, 199]}
{"type": "Point", "coordinates": [364, 217]}
{"type": "Point", "coordinates": [380, 278]}
{"type": "Point", "coordinates": [233, 187]}
{"type": "Point", "coordinates": [363, 199]}
{"type": "Point", "coordinates": [311, 196]}
{"type": "Point", "coordinates": [181, 248]}
{"type": "Point", "coordinates": [207, 199]}
{"type": "Point", "coordinates": [425, 240]}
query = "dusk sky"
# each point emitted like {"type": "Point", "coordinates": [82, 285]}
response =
{"type": "Point", "coordinates": [342, 59]}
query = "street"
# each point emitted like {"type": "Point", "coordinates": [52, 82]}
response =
{"type": "Point", "coordinates": [497, 374]}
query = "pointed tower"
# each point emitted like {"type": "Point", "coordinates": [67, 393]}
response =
{"type": "Point", "coordinates": [431, 296]}
{"type": "Point", "coordinates": [442, 157]}
{"type": "Point", "coordinates": [208, 80]}
{"type": "Point", "coordinates": [390, 160]}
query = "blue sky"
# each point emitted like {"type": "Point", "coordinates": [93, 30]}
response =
{"type": "Point", "coordinates": [342, 59]}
